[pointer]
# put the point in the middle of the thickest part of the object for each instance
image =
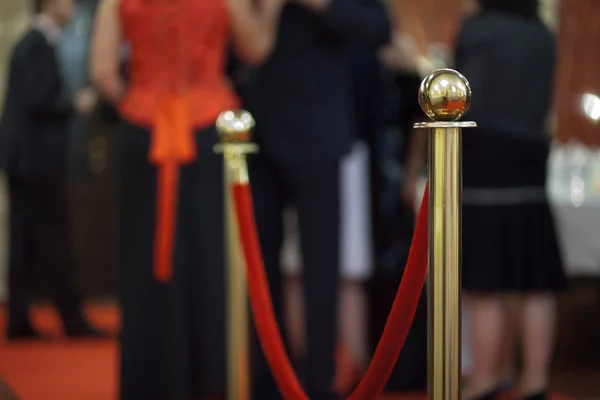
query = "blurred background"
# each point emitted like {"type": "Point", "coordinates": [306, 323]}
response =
{"type": "Point", "coordinates": [573, 190]}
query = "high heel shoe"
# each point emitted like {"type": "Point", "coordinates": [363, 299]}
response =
{"type": "Point", "coordinates": [543, 395]}
{"type": "Point", "coordinates": [491, 395]}
{"type": "Point", "coordinates": [506, 385]}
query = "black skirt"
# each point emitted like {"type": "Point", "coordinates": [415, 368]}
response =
{"type": "Point", "coordinates": [173, 335]}
{"type": "Point", "coordinates": [509, 237]}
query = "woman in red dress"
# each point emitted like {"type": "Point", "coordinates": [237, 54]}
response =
{"type": "Point", "coordinates": [170, 183]}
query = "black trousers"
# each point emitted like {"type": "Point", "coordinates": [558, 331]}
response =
{"type": "Point", "coordinates": [315, 193]}
{"type": "Point", "coordinates": [39, 236]}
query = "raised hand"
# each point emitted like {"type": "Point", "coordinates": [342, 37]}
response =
{"type": "Point", "coordinates": [85, 101]}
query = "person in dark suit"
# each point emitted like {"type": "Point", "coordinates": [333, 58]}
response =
{"type": "Point", "coordinates": [301, 99]}
{"type": "Point", "coordinates": [33, 145]}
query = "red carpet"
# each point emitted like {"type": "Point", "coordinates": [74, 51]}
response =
{"type": "Point", "coordinates": [76, 369]}
{"type": "Point", "coordinates": [61, 369]}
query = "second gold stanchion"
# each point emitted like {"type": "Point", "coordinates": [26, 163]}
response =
{"type": "Point", "coordinates": [234, 129]}
{"type": "Point", "coordinates": [444, 96]}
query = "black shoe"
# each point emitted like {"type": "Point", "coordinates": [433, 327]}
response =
{"type": "Point", "coordinates": [543, 395]}
{"type": "Point", "coordinates": [491, 395]}
{"type": "Point", "coordinates": [506, 385]}
{"type": "Point", "coordinates": [85, 332]}
{"type": "Point", "coordinates": [25, 332]}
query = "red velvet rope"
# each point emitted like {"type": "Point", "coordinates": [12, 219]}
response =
{"type": "Point", "coordinates": [396, 328]}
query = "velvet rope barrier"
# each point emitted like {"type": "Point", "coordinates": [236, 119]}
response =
{"type": "Point", "coordinates": [396, 328]}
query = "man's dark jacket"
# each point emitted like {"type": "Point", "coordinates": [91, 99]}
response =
{"type": "Point", "coordinates": [302, 97]}
{"type": "Point", "coordinates": [33, 129]}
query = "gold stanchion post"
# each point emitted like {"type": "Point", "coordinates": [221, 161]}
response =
{"type": "Point", "coordinates": [234, 131]}
{"type": "Point", "coordinates": [444, 96]}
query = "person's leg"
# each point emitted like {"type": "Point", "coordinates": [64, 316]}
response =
{"type": "Point", "coordinates": [466, 353]}
{"type": "Point", "coordinates": [356, 260]}
{"type": "Point", "coordinates": [538, 319]}
{"type": "Point", "coordinates": [269, 199]}
{"type": "Point", "coordinates": [353, 320]}
{"type": "Point", "coordinates": [294, 300]}
{"type": "Point", "coordinates": [52, 243]}
{"type": "Point", "coordinates": [486, 317]}
{"type": "Point", "coordinates": [316, 194]}
{"type": "Point", "coordinates": [294, 315]}
{"type": "Point", "coordinates": [19, 256]}
{"type": "Point", "coordinates": [354, 358]}
{"type": "Point", "coordinates": [508, 352]}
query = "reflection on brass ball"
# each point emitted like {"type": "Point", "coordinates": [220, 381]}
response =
{"type": "Point", "coordinates": [235, 126]}
{"type": "Point", "coordinates": [445, 95]}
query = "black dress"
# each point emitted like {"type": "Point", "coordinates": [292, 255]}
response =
{"type": "Point", "coordinates": [177, 328]}
{"type": "Point", "coordinates": [509, 237]}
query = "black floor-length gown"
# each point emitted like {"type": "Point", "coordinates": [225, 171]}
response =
{"type": "Point", "coordinates": [173, 336]}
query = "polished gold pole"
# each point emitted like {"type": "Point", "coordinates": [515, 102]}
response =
{"type": "Point", "coordinates": [234, 131]}
{"type": "Point", "coordinates": [444, 96]}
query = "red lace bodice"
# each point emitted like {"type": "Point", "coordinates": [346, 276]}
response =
{"type": "Point", "coordinates": [177, 84]}
{"type": "Point", "coordinates": [178, 48]}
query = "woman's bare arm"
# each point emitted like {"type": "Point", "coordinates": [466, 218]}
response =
{"type": "Point", "coordinates": [105, 52]}
{"type": "Point", "coordinates": [254, 28]}
{"type": "Point", "coordinates": [409, 20]}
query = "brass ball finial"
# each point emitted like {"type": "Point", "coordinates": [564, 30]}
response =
{"type": "Point", "coordinates": [445, 95]}
{"type": "Point", "coordinates": [234, 126]}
